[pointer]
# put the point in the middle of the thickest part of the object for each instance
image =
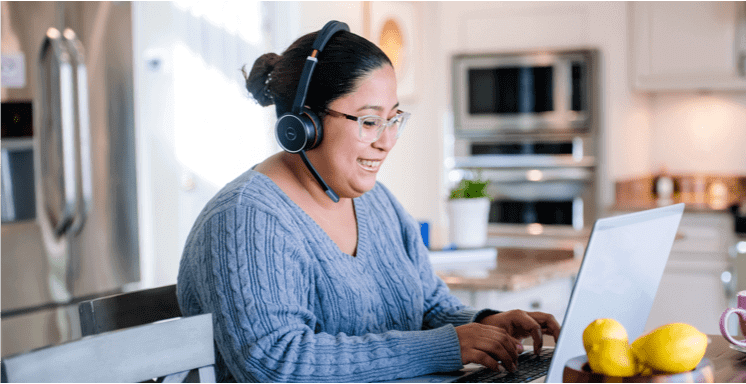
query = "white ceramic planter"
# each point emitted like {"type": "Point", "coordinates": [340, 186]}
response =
{"type": "Point", "coordinates": [467, 219]}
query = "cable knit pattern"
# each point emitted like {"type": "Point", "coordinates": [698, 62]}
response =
{"type": "Point", "coordinates": [289, 306]}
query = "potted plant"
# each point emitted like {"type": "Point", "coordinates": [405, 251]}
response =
{"type": "Point", "coordinates": [468, 214]}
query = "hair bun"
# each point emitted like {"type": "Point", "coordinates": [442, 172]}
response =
{"type": "Point", "coordinates": [259, 80]}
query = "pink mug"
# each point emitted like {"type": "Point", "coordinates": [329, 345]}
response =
{"type": "Point", "coordinates": [741, 311]}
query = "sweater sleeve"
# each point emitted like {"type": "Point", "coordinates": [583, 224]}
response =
{"type": "Point", "coordinates": [441, 307]}
{"type": "Point", "coordinates": [257, 282]}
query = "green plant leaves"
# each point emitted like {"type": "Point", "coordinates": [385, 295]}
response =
{"type": "Point", "coordinates": [470, 189]}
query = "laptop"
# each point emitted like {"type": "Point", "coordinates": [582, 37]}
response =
{"type": "Point", "coordinates": [618, 278]}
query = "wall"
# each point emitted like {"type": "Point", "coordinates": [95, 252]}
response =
{"type": "Point", "coordinates": [698, 133]}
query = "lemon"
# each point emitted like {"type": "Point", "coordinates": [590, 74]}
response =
{"type": "Point", "coordinates": [642, 369]}
{"type": "Point", "coordinates": [612, 357]}
{"type": "Point", "coordinates": [601, 329]}
{"type": "Point", "coordinates": [671, 348]}
{"type": "Point", "coordinates": [608, 350]}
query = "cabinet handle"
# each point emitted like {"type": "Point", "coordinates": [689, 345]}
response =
{"type": "Point", "coordinates": [729, 284]}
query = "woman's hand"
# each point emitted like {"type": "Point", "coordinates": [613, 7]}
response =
{"type": "Point", "coordinates": [486, 344]}
{"type": "Point", "coordinates": [521, 324]}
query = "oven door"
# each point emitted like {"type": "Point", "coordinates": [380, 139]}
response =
{"type": "Point", "coordinates": [541, 208]}
{"type": "Point", "coordinates": [561, 197]}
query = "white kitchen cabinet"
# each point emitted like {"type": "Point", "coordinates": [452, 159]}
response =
{"type": "Point", "coordinates": [551, 297]}
{"type": "Point", "coordinates": [687, 46]}
{"type": "Point", "coordinates": [690, 293]}
{"type": "Point", "coordinates": [695, 288]}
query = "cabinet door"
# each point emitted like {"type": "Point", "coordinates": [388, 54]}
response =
{"type": "Point", "coordinates": [692, 293]}
{"type": "Point", "coordinates": [689, 45]}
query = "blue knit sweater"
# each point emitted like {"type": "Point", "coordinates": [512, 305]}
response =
{"type": "Point", "coordinates": [288, 305]}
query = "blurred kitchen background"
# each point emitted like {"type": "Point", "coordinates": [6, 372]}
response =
{"type": "Point", "coordinates": [170, 122]}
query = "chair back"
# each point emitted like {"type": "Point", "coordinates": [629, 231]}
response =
{"type": "Point", "coordinates": [128, 355]}
{"type": "Point", "coordinates": [131, 309]}
{"type": "Point", "coordinates": [128, 309]}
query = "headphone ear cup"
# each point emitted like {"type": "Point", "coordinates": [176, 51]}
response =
{"type": "Point", "coordinates": [314, 128]}
{"type": "Point", "coordinates": [291, 133]}
{"type": "Point", "coordinates": [297, 133]}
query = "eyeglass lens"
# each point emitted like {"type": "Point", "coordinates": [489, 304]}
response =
{"type": "Point", "coordinates": [372, 127]}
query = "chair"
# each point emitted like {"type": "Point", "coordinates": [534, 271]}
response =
{"type": "Point", "coordinates": [128, 309]}
{"type": "Point", "coordinates": [128, 355]}
{"type": "Point", "coordinates": [132, 309]}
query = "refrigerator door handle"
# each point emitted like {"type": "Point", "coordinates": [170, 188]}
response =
{"type": "Point", "coordinates": [56, 166]}
{"type": "Point", "coordinates": [55, 159]}
{"type": "Point", "coordinates": [83, 132]}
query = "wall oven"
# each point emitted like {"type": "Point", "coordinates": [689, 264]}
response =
{"type": "Point", "coordinates": [540, 155]}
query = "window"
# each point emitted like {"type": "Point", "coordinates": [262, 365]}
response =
{"type": "Point", "coordinates": [197, 126]}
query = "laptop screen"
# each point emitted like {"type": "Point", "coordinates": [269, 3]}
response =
{"type": "Point", "coordinates": [619, 277]}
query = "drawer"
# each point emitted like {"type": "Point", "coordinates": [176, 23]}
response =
{"type": "Point", "coordinates": [704, 233]}
{"type": "Point", "coordinates": [700, 239]}
{"type": "Point", "coordinates": [550, 297]}
{"type": "Point", "coordinates": [702, 257]}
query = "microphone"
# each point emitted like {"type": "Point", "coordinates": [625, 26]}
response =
{"type": "Point", "coordinates": [332, 195]}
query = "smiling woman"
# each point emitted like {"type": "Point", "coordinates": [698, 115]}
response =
{"type": "Point", "coordinates": [310, 281]}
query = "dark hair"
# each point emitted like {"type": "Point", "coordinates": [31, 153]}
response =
{"type": "Point", "coordinates": [345, 60]}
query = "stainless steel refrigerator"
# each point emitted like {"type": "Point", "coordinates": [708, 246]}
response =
{"type": "Point", "coordinates": [73, 236]}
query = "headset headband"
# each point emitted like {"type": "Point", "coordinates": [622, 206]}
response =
{"type": "Point", "coordinates": [323, 37]}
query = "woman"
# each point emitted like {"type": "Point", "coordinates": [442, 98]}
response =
{"type": "Point", "coordinates": [303, 288]}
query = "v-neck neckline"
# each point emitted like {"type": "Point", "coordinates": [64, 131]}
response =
{"type": "Point", "coordinates": [358, 211]}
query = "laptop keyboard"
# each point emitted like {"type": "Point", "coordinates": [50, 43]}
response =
{"type": "Point", "coordinates": [530, 367]}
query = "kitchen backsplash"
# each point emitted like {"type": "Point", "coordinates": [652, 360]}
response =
{"type": "Point", "coordinates": [699, 191]}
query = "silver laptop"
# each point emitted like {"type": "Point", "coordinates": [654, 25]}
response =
{"type": "Point", "coordinates": [618, 279]}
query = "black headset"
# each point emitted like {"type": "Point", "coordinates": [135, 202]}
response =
{"type": "Point", "coordinates": [300, 129]}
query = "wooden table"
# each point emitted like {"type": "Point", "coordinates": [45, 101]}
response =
{"type": "Point", "coordinates": [729, 364]}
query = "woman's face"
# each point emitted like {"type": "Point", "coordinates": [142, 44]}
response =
{"type": "Point", "coordinates": [347, 164]}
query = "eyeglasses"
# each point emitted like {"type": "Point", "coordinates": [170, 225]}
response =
{"type": "Point", "coordinates": [372, 126]}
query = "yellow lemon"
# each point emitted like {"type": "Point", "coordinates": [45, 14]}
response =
{"type": "Point", "coordinates": [642, 369]}
{"type": "Point", "coordinates": [671, 348]}
{"type": "Point", "coordinates": [608, 350]}
{"type": "Point", "coordinates": [603, 329]}
{"type": "Point", "coordinates": [612, 357]}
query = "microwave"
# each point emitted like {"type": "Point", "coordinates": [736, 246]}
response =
{"type": "Point", "coordinates": [548, 92]}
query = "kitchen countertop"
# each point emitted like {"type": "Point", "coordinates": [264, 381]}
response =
{"type": "Point", "coordinates": [517, 270]}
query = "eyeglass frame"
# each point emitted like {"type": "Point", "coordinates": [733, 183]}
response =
{"type": "Point", "coordinates": [359, 119]}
